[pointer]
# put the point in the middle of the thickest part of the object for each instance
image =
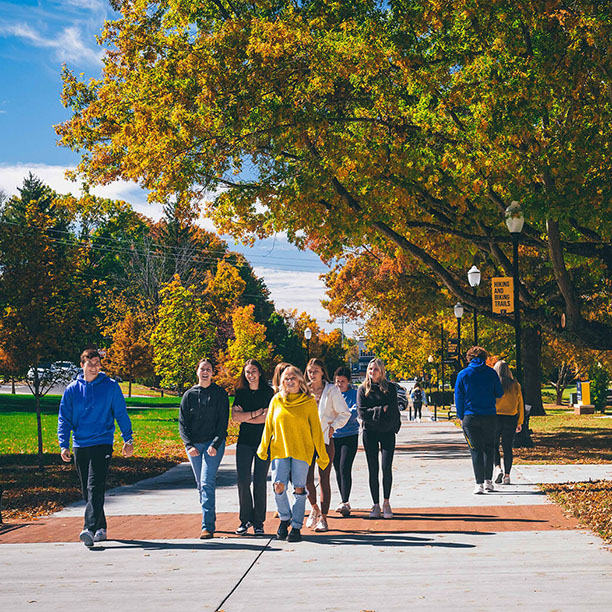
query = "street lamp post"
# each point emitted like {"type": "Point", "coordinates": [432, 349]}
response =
{"type": "Point", "coordinates": [515, 221]}
{"type": "Point", "coordinates": [308, 336]}
{"type": "Point", "coordinates": [474, 280]}
{"type": "Point", "coordinates": [458, 310]}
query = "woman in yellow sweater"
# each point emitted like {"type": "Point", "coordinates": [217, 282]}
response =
{"type": "Point", "coordinates": [292, 434]}
{"type": "Point", "coordinates": [510, 415]}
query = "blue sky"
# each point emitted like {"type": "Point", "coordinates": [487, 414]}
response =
{"type": "Point", "coordinates": [36, 38]}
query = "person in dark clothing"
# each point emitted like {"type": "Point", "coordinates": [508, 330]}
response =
{"type": "Point", "coordinates": [203, 418]}
{"type": "Point", "coordinates": [89, 407]}
{"type": "Point", "coordinates": [377, 406]}
{"type": "Point", "coordinates": [476, 391]}
{"type": "Point", "coordinates": [251, 400]}
{"type": "Point", "coordinates": [418, 399]}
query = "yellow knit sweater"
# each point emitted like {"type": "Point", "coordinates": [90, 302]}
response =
{"type": "Point", "coordinates": [511, 403]}
{"type": "Point", "coordinates": [293, 429]}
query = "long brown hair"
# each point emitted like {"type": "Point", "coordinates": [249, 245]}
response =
{"type": "Point", "coordinates": [243, 383]}
{"type": "Point", "coordinates": [383, 384]}
{"type": "Point", "coordinates": [505, 375]}
{"type": "Point", "coordinates": [278, 370]}
{"type": "Point", "coordinates": [315, 361]}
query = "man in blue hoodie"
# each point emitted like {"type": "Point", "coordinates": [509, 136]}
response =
{"type": "Point", "coordinates": [476, 390]}
{"type": "Point", "coordinates": [88, 409]}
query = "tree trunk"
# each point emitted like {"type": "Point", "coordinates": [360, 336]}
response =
{"type": "Point", "coordinates": [130, 388]}
{"type": "Point", "coordinates": [532, 370]}
{"type": "Point", "coordinates": [560, 389]}
{"type": "Point", "coordinates": [39, 426]}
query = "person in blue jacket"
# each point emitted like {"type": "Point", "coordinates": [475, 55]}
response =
{"type": "Point", "coordinates": [88, 409]}
{"type": "Point", "coordinates": [476, 391]}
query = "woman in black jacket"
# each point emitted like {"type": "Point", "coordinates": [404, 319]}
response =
{"type": "Point", "coordinates": [377, 406]}
{"type": "Point", "coordinates": [251, 400]}
{"type": "Point", "coordinates": [203, 419]}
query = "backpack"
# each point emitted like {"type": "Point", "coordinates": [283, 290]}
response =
{"type": "Point", "coordinates": [417, 395]}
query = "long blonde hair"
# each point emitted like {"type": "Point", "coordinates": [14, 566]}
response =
{"type": "Point", "coordinates": [505, 375]}
{"type": "Point", "coordinates": [298, 374]}
{"type": "Point", "coordinates": [384, 385]}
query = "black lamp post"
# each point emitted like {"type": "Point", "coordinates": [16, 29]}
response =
{"type": "Point", "coordinates": [474, 280]}
{"type": "Point", "coordinates": [458, 310]}
{"type": "Point", "coordinates": [308, 336]}
{"type": "Point", "coordinates": [515, 221]}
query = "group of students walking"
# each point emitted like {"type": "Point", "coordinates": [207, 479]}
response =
{"type": "Point", "coordinates": [304, 422]}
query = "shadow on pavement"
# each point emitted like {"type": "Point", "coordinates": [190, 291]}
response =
{"type": "Point", "coordinates": [214, 544]}
{"type": "Point", "coordinates": [353, 538]}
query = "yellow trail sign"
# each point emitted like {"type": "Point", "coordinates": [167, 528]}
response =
{"type": "Point", "coordinates": [502, 289]}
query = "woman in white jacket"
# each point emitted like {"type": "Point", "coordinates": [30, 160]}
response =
{"type": "Point", "coordinates": [334, 414]}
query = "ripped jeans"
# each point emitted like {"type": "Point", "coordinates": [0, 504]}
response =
{"type": "Point", "coordinates": [281, 469]}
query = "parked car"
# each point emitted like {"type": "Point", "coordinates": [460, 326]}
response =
{"type": "Point", "coordinates": [60, 372]}
{"type": "Point", "coordinates": [65, 366]}
{"type": "Point", "coordinates": [402, 398]}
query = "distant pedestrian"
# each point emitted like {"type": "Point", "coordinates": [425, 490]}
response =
{"type": "Point", "coordinates": [345, 440]}
{"type": "Point", "coordinates": [377, 405]}
{"type": "Point", "coordinates": [417, 395]}
{"type": "Point", "coordinates": [251, 400]}
{"type": "Point", "coordinates": [89, 407]}
{"type": "Point", "coordinates": [334, 414]}
{"type": "Point", "coordinates": [476, 390]}
{"type": "Point", "coordinates": [203, 419]}
{"type": "Point", "coordinates": [292, 434]}
{"type": "Point", "coordinates": [510, 417]}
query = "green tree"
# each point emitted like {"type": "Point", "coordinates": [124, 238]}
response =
{"type": "Point", "coordinates": [41, 287]}
{"type": "Point", "coordinates": [285, 340]}
{"type": "Point", "coordinates": [182, 336]}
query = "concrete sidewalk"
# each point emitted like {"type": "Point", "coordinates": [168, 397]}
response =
{"type": "Point", "coordinates": [444, 549]}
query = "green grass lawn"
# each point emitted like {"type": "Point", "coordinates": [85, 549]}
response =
{"type": "Point", "coordinates": [30, 493]}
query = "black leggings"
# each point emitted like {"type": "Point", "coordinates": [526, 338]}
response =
{"type": "Point", "coordinates": [479, 431]}
{"type": "Point", "coordinates": [417, 409]}
{"type": "Point", "coordinates": [345, 451]}
{"type": "Point", "coordinates": [504, 432]}
{"type": "Point", "coordinates": [373, 442]}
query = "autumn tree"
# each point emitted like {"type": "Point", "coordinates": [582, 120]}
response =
{"type": "Point", "coordinates": [182, 336]}
{"type": "Point", "coordinates": [285, 339]}
{"type": "Point", "coordinates": [130, 355]}
{"type": "Point", "coordinates": [405, 127]}
{"type": "Point", "coordinates": [249, 342]}
{"type": "Point", "coordinates": [41, 287]}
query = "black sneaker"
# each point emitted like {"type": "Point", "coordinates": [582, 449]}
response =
{"type": "Point", "coordinates": [499, 478]}
{"type": "Point", "coordinates": [295, 535]}
{"type": "Point", "coordinates": [283, 530]}
{"type": "Point", "coordinates": [259, 530]}
{"type": "Point", "coordinates": [242, 530]}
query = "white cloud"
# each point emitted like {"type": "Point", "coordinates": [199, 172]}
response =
{"type": "Point", "coordinates": [12, 177]}
{"type": "Point", "coordinates": [68, 45]}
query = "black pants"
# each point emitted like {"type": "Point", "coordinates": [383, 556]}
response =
{"type": "Point", "coordinates": [504, 432]}
{"type": "Point", "coordinates": [92, 463]}
{"type": "Point", "coordinates": [479, 431]}
{"type": "Point", "coordinates": [250, 468]}
{"type": "Point", "coordinates": [345, 451]}
{"type": "Point", "coordinates": [417, 409]}
{"type": "Point", "coordinates": [373, 442]}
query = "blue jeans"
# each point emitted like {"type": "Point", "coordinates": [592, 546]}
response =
{"type": "Point", "coordinates": [281, 468]}
{"type": "Point", "coordinates": [205, 471]}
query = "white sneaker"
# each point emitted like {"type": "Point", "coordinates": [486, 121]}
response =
{"type": "Point", "coordinates": [488, 485]}
{"type": "Point", "coordinates": [375, 511]}
{"type": "Point", "coordinates": [100, 535]}
{"type": "Point", "coordinates": [386, 510]}
{"type": "Point", "coordinates": [87, 537]}
{"type": "Point", "coordinates": [322, 524]}
{"type": "Point", "coordinates": [312, 519]}
{"type": "Point", "coordinates": [506, 479]}
{"type": "Point", "coordinates": [479, 489]}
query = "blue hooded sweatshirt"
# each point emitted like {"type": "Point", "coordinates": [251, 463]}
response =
{"type": "Point", "coordinates": [476, 389]}
{"type": "Point", "coordinates": [89, 410]}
